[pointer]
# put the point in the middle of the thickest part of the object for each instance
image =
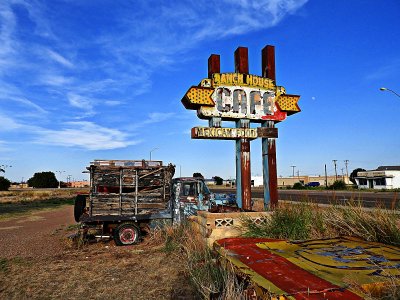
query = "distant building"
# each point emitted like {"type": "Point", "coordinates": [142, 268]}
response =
{"type": "Point", "coordinates": [384, 177]}
{"type": "Point", "coordinates": [79, 184]}
{"type": "Point", "coordinates": [305, 179]}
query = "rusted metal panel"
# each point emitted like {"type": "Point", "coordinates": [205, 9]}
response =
{"type": "Point", "coordinates": [242, 60]}
{"type": "Point", "coordinates": [273, 178]}
{"type": "Point", "coordinates": [268, 144]}
{"type": "Point", "coordinates": [214, 65]}
{"type": "Point", "coordinates": [246, 174]}
{"type": "Point", "coordinates": [316, 269]}
{"type": "Point", "coordinates": [242, 66]}
{"type": "Point", "coordinates": [268, 62]}
{"type": "Point", "coordinates": [267, 132]}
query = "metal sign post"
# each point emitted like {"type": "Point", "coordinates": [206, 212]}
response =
{"type": "Point", "coordinates": [244, 99]}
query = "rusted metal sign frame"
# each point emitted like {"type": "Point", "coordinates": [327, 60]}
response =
{"type": "Point", "coordinates": [270, 177]}
{"type": "Point", "coordinates": [243, 165]}
{"type": "Point", "coordinates": [212, 104]}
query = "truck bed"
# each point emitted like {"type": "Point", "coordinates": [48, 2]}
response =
{"type": "Point", "coordinates": [126, 188]}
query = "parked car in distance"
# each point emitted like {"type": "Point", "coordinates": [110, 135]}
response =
{"type": "Point", "coordinates": [312, 184]}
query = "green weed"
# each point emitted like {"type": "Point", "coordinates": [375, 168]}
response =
{"type": "Point", "coordinates": [4, 265]}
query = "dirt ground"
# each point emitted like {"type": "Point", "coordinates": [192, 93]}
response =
{"type": "Point", "coordinates": [37, 262]}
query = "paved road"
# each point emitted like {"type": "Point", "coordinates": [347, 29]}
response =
{"type": "Point", "coordinates": [367, 199]}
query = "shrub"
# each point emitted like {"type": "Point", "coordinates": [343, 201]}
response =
{"type": "Point", "coordinates": [338, 185]}
{"type": "Point", "coordinates": [293, 222]}
{"type": "Point", "coordinates": [4, 184]}
{"type": "Point", "coordinates": [298, 186]}
{"type": "Point", "coordinates": [43, 180]}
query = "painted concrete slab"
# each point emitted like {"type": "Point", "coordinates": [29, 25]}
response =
{"type": "Point", "coordinates": [314, 269]}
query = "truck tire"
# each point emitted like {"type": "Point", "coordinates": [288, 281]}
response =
{"type": "Point", "coordinates": [126, 234]}
{"type": "Point", "coordinates": [79, 207]}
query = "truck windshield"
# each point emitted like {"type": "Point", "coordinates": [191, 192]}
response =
{"type": "Point", "coordinates": [189, 189]}
{"type": "Point", "coordinates": [205, 189]}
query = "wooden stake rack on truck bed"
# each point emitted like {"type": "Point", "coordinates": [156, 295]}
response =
{"type": "Point", "coordinates": [128, 190]}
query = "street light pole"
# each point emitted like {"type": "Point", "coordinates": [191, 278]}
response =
{"type": "Point", "coordinates": [386, 89]}
{"type": "Point", "coordinates": [154, 149]}
{"type": "Point", "coordinates": [59, 182]}
{"type": "Point", "coordinates": [293, 170]}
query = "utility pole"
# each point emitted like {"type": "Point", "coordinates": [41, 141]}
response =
{"type": "Point", "coordinates": [326, 177]}
{"type": "Point", "coordinates": [293, 170]}
{"type": "Point", "coordinates": [59, 182]}
{"type": "Point", "coordinates": [334, 162]}
{"type": "Point", "coordinates": [346, 162]}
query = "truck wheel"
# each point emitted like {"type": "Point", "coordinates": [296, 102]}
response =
{"type": "Point", "coordinates": [126, 234]}
{"type": "Point", "coordinates": [79, 207]}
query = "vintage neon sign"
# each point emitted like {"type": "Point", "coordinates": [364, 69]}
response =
{"type": "Point", "coordinates": [232, 96]}
{"type": "Point", "coordinates": [245, 99]}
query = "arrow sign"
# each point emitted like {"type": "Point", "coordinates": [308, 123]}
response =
{"type": "Point", "coordinates": [198, 96]}
{"type": "Point", "coordinates": [288, 103]}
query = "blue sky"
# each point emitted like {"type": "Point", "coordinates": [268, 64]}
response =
{"type": "Point", "coordinates": [84, 80]}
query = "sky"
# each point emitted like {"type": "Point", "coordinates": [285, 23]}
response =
{"type": "Point", "coordinates": [85, 80]}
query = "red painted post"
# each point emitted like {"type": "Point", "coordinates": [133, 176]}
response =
{"type": "Point", "coordinates": [214, 65]}
{"type": "Point", "coordinates": [268, 62]}
{"type": "Point", "coordinates": [242, 66]}
{"type": "Point", "coordinates": [242, 60]}
{"type": "Point", "coordinates": [268, 70]}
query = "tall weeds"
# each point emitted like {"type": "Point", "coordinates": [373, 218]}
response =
{"type": "Point", "coordinates": [294, 222]}
{"type": "Point", "coordinates": [308, 221]}
{"type": "Point", "coordinates": [376, 225]}
{"type": "Point", "coordinates": [211, 279]}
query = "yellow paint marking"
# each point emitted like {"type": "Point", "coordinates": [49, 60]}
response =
{"type": "Point", "coordinates": [198, 96]}
{"type": "Point", "coordinates": [288, 103]}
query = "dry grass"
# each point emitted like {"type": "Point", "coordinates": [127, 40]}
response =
{"type": "Point", "coordinates": [30, 195]}
{"type": "Point", "coordinates": [19, 202]}
{"type": "Point", "coordinates": [309, 221]}
{"type": "Point", "coordinates": [97, 271]}
{"type": "Point", "coordinates": [210, 279]}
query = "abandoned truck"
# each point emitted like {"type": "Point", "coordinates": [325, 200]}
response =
{"type": "Point", "coordinates": [128, 195]}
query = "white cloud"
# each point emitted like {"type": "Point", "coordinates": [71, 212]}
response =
{"type": "Point", "coordinates": [157, 117]}
{"type": "Point", "coordinates": [112, 102]}
{"type": "Point", "coordinates": [56, 80]}
{"type": "Point", "coordinates": [7, 123]}
{"type": "Point", "coordinates": [4, 146]}
{"type": "Point", "coordinates": [81, 102]}
{"type": "Point", "coordinates": [86, 135]}
{"type": "Point", "coordinates": [385, 71]}
{"type": "Point", "coordinates": [28, 103]}
{"type": "Point", "coordinates": [181, 27]}
{"type": "Point", "coordinates": [60, 59]}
